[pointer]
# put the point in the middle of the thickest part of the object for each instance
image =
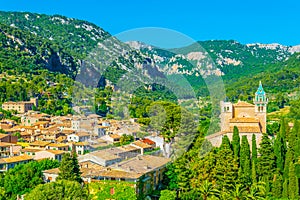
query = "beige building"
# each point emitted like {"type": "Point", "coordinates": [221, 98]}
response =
{"type": "Point", "coordinates": [21, 106]}
{"type": "Point", "coordinates": [248, 118]}
{"type": "Point", "coordinates": [144, 172]}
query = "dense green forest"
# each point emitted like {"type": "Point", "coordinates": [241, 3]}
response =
{"type": "Point", "coordinates": [239, 170]}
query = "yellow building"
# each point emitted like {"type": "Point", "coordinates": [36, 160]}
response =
{"type": "Point", "coordinates": [248, 118]}
{"type": "Point", "coordinates": [21, 106]}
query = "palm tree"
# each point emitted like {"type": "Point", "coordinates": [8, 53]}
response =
{"type": "Point", "coordinates": [257, 191]}
{"type": "Point", "coordinates": [208, 190]}
{"type": "Point", "coordinates": [239, 192]}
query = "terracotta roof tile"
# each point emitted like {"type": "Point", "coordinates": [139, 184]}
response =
{"type": "Point", "coordinates": [15, 159]}
{"type": "Point", "coordinates": [243, 104]}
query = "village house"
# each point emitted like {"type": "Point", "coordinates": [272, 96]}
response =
{"type": "Point", "coordinates": [9, 149]}
{"type": "Point", "coordinates": [145, 172]}
{"type": "Point", "coordinates": [102, 158]}
{"type": "Point", "coordinates": [54, 146]}
{"type": "Point", "coordinates": [78, 137]}
{"type": "Point", "coordinates": [11, 162]}
{"type": "Point", "coordinates": [30, 151]}
{"type": "Point", "coordinates": [82, 147]}
{"type": "Point", "coordinates": [21, 106]}
{"type": "Point", "coordinates": [8, 138]}
{"type": "Point", "coordinates": [30, 118]}
{"type": "Point", "coordinates": [144, 147]}
{"type": "Point", "coordinates": [49, 154]}
{"type": "Point", "coordinates": [112, 138]}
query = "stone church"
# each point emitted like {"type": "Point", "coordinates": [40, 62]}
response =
{"type": "Point", "coordinates": [248, 118]}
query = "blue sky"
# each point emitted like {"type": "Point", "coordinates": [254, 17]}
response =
{"type": "Point", "coordinates": [253, 21]}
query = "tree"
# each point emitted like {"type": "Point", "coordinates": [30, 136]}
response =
{"type": "Point", "coordinates": [23, 178]}
{"type": "Point", "coordinates": [254, 148]}
{"type": "Point", "coordinates": [288, 159]}
{"type": "Point", "coordinates": [239, 192]}
{"type": "Point", "coordinates": [126, 139]}
{"type": "Point", "coordinates": [225, 143]}
{"type": "Point", "coordinates": [285, 190]}
{"type": "Point", "coordinates": [236, 143]}
{"type": "Point", "coordinates": [284, 131]}
{"type": "Point", "coordinates": [279, 152]}
{"type": "Point", "coordinates": [2, 194]}
{"type": "Point", "coordinates": [293, 183]}
{"type": "Point", "coordinates": [293, 138]}
{"type": "Point", "coordinates": [245, 154]}
{"type": "Point", "coordinates": [277, 185]}
{"type": "Point", "coordinates": [61, 189]}
{"type": "Point", "coordinates": [257, 191]}
{"type": "Point", "coordinates": [167, 195]}
{"type": "Point", "coordinates": [253, 173]}
{"type": "Point", "coordinates": [69, 168]}
{"type": "Point", "coordinates": [266, 162]}
{"type": "Point", "coordinates": [226, 169]}
{"type": "Point", "coordinates": [207, 190]}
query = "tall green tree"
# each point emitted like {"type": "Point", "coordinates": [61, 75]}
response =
{"type": "Point", "coordinates": [69, 168]}
{"type": "Point", "coordinates": [244, 152]}
{"type": "Point", "coordinates": [285, 189]}
{"type": "Point", "coordinates": [279, 151]}
{"type": "Point", "coordinates": [226, 169]}
{"type": "Point", "coordinates": [266, 162]}
{"type": "Point", "coordinates": [253, 173]}
{"type": "Point", "coordinates": [293, 139]}
{"type": "Point", "coordinates": [236, 142]}
{"type": "Point", "coordinates": [277, 185]}
{"type": "Point", "coordinates": [293, 183]}
{"type": "Point", "coordinates": [284, 131]}
{"type": "Point", "coordinates": [225, 143]}
{"type": "Point", "coordinates": [245, 166]}
{"type": "Point", "coordinates": [288, 159]}
{"type": "Point", "coordinates": [254, 149]}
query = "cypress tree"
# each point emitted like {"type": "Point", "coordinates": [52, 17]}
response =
{"type": "Point", "coordinates": [225, 143]}
{"type": "Point", "coordinates": [293, 139]}
{"type": "Point", "coordinates": [279, 152]}
{"type": "Point", "coordinates": [226, 169]}
{"type": "Point", "coordinates": [253, 173]}
{"type": "Point", "coordinates": [69, 168]}
{"type": "Point", "coordinates": [236, 142]}
{"type": "Point", "coordinates": [277, 185]}
{"type": "Point", "coordinates": [288, 159]}
{"type": "Point", "coordinates": [266, 162]}
{"type": "Point", "coordinates": [76, 168]}
{"type": "Point", "coordinates": [285, 189]}
{"type": "Point", "coordinates": [293, 189]}
{"type": "Point", "coordinates": [254, 148]}
{"type": "Point", "coordinates": [284, 131]}
{"type": "Point", "coordinates": [296, 145]}
{"type": "Point", "coordinates": [244, 151]}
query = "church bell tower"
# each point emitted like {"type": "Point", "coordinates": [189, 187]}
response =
{"type": "Point", "coordinates": [260, 102]}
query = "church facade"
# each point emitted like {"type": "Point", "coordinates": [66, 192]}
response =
{"type": "Point", "coordinates": [248, 118]}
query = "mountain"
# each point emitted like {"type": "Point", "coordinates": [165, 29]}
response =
{"type": "Point", "coordinates": [76, 43]}
{"type": "Point", "coordinates": [80, 49]}
{"type": "Point", "coordinates": [230, 57]}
